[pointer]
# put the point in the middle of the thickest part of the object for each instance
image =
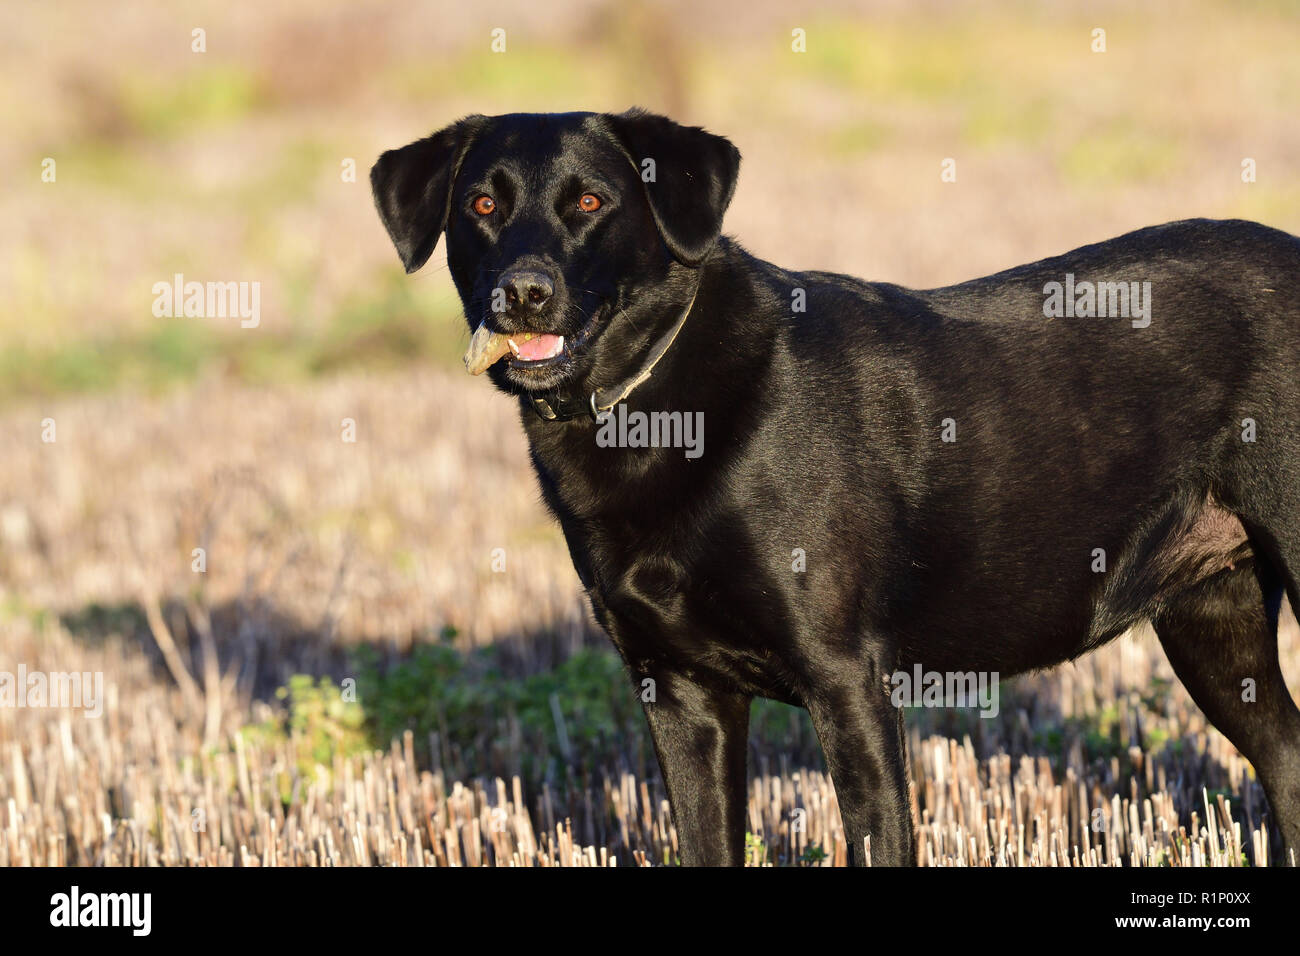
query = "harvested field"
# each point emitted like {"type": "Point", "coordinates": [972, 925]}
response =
{"type": "Point", "coordinates": [346, 560]}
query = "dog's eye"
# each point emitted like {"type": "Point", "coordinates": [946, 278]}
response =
{"type": "Point", "coordinates": [485, 205]}
{"type": "Point", "coordinates": [589, 202]}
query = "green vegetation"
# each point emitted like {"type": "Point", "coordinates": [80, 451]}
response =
{"type": "Point", "coordinates": [583, 710]}
{"type": "Point", "coordinates": [162, 106]}
{"type": "Point", "coordinates": [582, 713]}
{"type": "Point", "coordinates": [388, 323]}
{"type": "Point", "coordinates": [1120, 155]}
{"type": "Point", "coordinates": [319, 722]}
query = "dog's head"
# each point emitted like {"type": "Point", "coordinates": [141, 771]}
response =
{"type": "Point", "coordinates": [554, 223]}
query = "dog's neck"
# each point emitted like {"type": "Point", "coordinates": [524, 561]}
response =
{"type": "Point", "coordinates": [713, 363]}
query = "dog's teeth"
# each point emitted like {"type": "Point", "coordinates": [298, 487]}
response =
{"type": "Point", "coordinates": [514, 348]}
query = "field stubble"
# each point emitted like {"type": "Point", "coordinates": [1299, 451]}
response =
{"type": "Point", "coordinates": [317, 549]}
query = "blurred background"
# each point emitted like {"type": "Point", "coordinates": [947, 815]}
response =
{"type": "Point", "coordinates": [372, 560]}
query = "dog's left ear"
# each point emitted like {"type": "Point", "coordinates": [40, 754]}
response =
{"type": "Point", "coordinates": [694, 177]}
{"type": "Point", "coordinates": [412, 188]}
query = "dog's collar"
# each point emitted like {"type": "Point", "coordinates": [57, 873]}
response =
{"type": "Point", "coordinates": [562, 408]}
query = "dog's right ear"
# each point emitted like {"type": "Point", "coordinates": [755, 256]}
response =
{"type": "Point", "coordinates": [412, 188]}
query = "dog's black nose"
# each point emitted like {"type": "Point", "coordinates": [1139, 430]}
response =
{"type": "Point", "coordinates": [525, 292]}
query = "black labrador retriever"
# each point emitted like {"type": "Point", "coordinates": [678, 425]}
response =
{"type": "Point", "coordinates": [978, 480]}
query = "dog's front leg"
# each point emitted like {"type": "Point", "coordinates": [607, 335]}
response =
{"type": "Point", "coordinates": [700, 737]}
{"type": "Point", "coordinates": [861, 734]}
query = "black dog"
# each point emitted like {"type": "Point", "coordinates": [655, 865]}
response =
{"type": "Point", "coordinates": [993, 477]}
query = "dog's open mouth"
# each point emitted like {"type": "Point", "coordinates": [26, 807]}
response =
{"type": "Point", "coordinates": [486, 348]}
{"type": "Point", "coordinates": [527, 351]}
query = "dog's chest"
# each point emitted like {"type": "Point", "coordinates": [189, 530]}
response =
{"type": "Point", "coordinates": [714, 618]}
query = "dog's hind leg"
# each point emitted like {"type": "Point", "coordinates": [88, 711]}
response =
{"type": "Point", "coordinates": [1221, 638]}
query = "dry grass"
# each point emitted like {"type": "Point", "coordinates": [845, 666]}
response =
{"type": "Point", "coordinates": [316, 546]}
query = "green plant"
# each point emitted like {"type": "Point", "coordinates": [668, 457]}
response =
{"type": "Point", "coordinates": [813, 855]}
{"type": "Point", "coordinates": [319, 723]}
{"type": "Point", "coordinates": [582, 710]}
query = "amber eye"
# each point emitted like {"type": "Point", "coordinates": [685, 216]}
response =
{"type": "Point", "coordinates": [589, 202]}
{"type": "Point", "coordinates": [485, 205]}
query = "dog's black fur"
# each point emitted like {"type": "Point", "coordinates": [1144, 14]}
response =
{"type": "Point", "coordinates": [825, 432]}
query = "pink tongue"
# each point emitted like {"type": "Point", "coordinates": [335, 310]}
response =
{"type": "Point", "coordinates": [542, 347]}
